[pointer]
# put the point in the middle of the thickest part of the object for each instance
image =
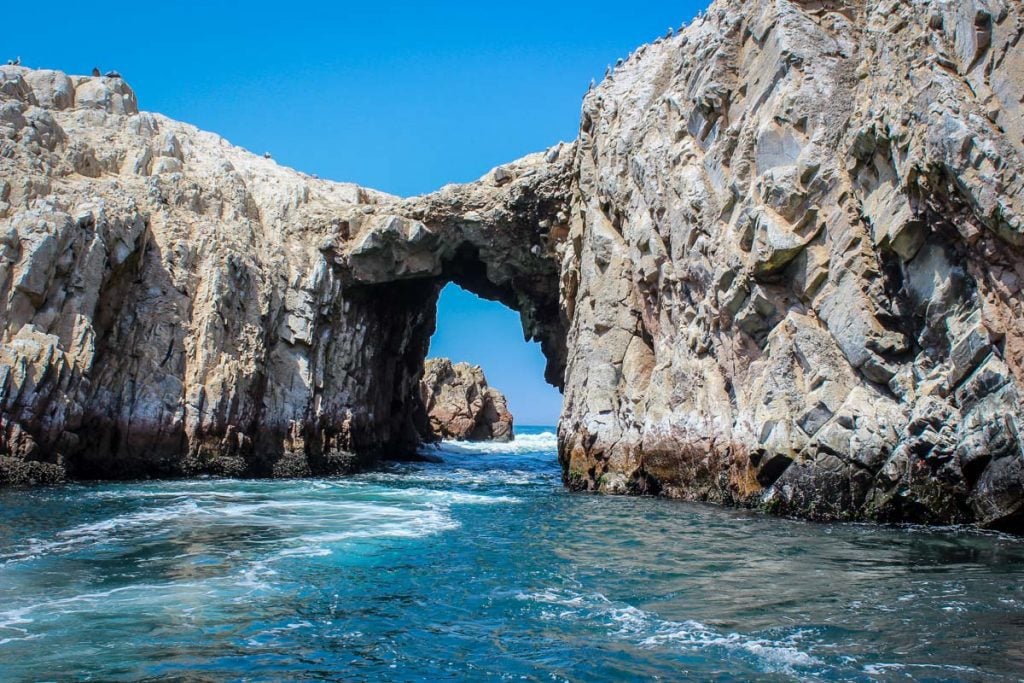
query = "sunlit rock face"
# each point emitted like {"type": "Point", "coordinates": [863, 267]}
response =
{"type": "Point", "coordinates": [794, 264]}
{"type": "Point", "coordinates": [173, 305]}
{"type": "Point", "coordinates": [460, 405]}
{"type": "Point", "coordinates": [780, 267]}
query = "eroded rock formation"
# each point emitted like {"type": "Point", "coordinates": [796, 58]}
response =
{"type": "Point", "coordinates": [460, 405]}
{"type": "Point", "coordinates": [780, 267]}
{"type": "Point", "coordinates": [794, 263]}
{"type": "Point", "coordinates": [173, 305]}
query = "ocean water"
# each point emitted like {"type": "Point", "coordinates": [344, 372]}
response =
{"type": "Point", "coordinates": [482, 567]}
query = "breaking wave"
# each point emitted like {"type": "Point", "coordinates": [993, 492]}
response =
{"type": "Point", "coordinates": [543, 442]}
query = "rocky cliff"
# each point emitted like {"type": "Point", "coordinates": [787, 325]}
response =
{"type": "Point", "coordinates": [780, 267]}
{"type": "Point", "coordinates": [794, 265]}
{"type": "Point", "coordinates": [171, 305]}
{"type": "Point", "coordinates": [460, 405]}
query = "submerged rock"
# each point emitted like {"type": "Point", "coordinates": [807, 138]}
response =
{"type": "Point", "coordinates": [781, 267]}
{"type": "Point", "coordinates": [460, 405]}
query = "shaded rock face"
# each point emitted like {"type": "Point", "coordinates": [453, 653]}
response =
{"type": "Point", "coordinates": [794, 264]}
{"type": "Point", "coordinates": [460, 405]}
{"type": "Point", "coordinates": [780, 267]}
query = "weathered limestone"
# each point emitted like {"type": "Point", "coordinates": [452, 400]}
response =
{"type": "Point", "coordinates": [781, 267]}
{"type": "Point", "coordinates": [460, 405]}
{"type": "Point", "coordinates": [165, 306]}
{"type": "Point", "coordinates": [172, 305]}
{"type": "Point", "coordinates": [793, 269]}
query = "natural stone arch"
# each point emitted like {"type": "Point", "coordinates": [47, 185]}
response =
{"type": "Point", "coordinates": [499, 238]}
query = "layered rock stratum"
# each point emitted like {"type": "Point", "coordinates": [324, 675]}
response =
{"type": "Point", "coordinates": [780, 267]}
{"type": "Point", "coordinates": [460, 405]}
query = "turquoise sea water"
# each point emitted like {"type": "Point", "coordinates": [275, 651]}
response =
{"type": "Point", "coordinates": [483, 568]}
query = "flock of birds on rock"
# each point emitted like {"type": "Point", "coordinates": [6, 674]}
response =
{"type": "Point", "coordinates": [95, 70]}
{"type": "Point", "coordinates": [610, 70]}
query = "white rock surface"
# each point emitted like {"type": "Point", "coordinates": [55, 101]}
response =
{"type": "Point", "coordinates": [793, 269]}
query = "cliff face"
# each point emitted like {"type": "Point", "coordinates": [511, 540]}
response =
{"type": "Point", "coordinates": [173, 305]}
{"type": "Point", "coordinates": [165, 307]}
{"type": "Point", "coordinates": [460, 405]}
{"type": "Point", "coordinates": [794, 264]}
{"type": "Point", "coordinates": [780, 267]}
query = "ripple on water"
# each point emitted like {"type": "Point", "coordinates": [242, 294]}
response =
{"type": "Point", "coordinates": [647, 630]}
{"type": "Point", "coordinates": [418, 570]}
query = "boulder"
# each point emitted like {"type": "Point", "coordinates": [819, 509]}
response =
{"type": "Point", "coordinates": [460, 405]}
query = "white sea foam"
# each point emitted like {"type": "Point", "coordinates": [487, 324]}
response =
{"type": "Point", "coordinates": [648, 630]}
{"type": "Point", "coordinates": [523, 443]}
{"type": "Point", "coordinates": [464, 477]}
{"type": "Point", "coordinates": [140, 593]}
{"type": "Point", "coordinates": [883, 668]}
{"type": "Point", "coordinates": [421, 495]}
{"type": "Point", "coordinates": [84, 535]}
{"type": "Point", "coordinates": [385, 513]}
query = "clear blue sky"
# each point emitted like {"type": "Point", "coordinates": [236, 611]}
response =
{"type": "Point", "coordinates": [487, 334]}
{"type": "Point", "coordinates": [399, 96]}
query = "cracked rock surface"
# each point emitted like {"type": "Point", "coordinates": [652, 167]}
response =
{"type": "Point", "coordinates": [794, 263]}
{"type": "Point", "coordinates": [780, 267]}
{"type": "Point", "coordinates": [460, 405]}
{"type": "Point", "coordinates": [172, 305]}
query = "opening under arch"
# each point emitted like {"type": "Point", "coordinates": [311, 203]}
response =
{"type": "Point", "coordinates": [475, 330]}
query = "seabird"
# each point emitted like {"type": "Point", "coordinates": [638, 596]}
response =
{"type": "Point", "coordinates": [95, 72]}
{"type": "Point", "coordinates": [112, 74]}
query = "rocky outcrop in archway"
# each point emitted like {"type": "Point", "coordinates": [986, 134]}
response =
{"type": "Point", "coordinates": [461, 406]}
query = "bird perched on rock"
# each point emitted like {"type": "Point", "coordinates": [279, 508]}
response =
{"type": "Point", "coordinates": [112, 74]}
{"type": "Point", "coordinates": [14, 62]}
{"type": "Point", "coordinates": [266, 155]}
{"type": "Point", "coordinates": [671, 32]}
{"type": "Point", "coordinates": [592, 85]}
{"type": "Point", "coordinates": [95, 72]}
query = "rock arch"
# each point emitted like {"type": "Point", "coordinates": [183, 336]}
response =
{"type": "Point", "coordinates": [780, 267]}
{"type": "Point", "coordinates": [499, 238]}
{"type": "Point", "coordinates": [171, 305]}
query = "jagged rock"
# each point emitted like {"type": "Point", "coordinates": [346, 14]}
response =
{"type": "Point", "coordinates": [171, 305]}
{"type": "Point", "coordinates": [780, 267]}
{"type": "Point", "coordinates": [460, 405]}
{"type": "Point", "coordinates": [809, 216]}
